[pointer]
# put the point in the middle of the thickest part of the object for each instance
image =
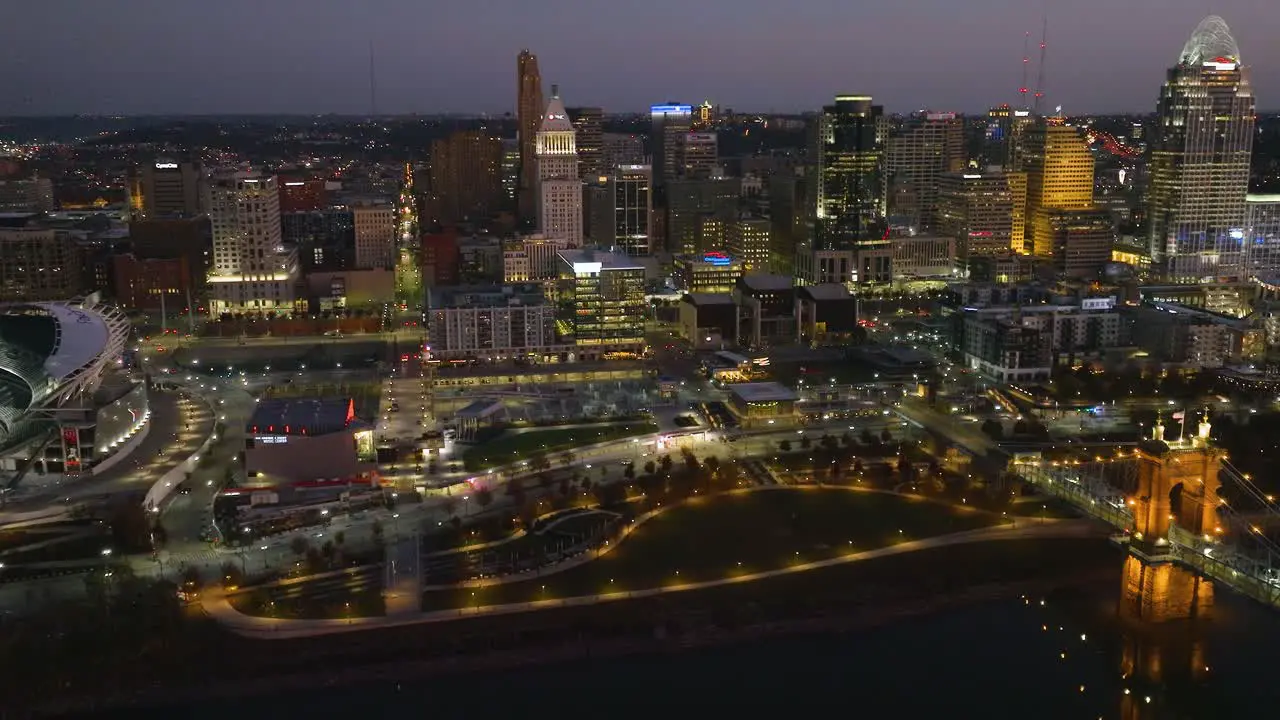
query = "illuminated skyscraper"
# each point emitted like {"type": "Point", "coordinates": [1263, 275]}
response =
{"type": "Point", "coordinates": [1199, 166]}
{"type": "Point", "coordinates": [983, 212]}
{"type": "Point", "coordinates": [850, 208]}
{"type": "Point", "coordinates": [529, 108]}
{"type": "Point", "coordinates": [559, 189]}
{"type": "Point", "coordinates": [253, 271]}
{"type": "Point", "coordinates": [1059, 168]}
{"type": "Point", "coordinates": [588, 122]}
{"type": "Point", "coordinates": [669, 123]}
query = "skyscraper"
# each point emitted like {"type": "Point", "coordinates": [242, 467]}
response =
{"type": "Point", "coordinates": [1059, 167]}
{"type": "Point", "coordinates": [622, 209]}
{"type": "Point", "coordinates": [252, 269]}
{"type": "Point", "coordinates": [559, 188]}
{"type": "Point", "coordinates": [982, 211]}
{"type": "Point", "coordinates": [924, 148]}
{"type": "Point", "coordinates": [697, 154]}
{"type": "Point", "coordinates": [466, 178]}
{"type": "Point", "coordinates": [668, 123]}
{"type": "Point", "coordinates": [168, 189]}
{"type": "Point", "coordinates": [850, 208]}
{"type": "Point", "coordinates": [1199, 165]}
{"type": "Point", "coordinates": [529, 108]}
{"type": "Point", "coordinates": [589, 124]}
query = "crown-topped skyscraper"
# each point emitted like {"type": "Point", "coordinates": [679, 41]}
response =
{"type": "Point", "coordinates": [559, 189]}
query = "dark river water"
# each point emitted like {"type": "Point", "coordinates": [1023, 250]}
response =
{"type": "Point", "coordinates": [1070, 657]}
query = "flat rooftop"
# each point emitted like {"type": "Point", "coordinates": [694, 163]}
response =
{"type": "Point", "coordinates": [596, 260]}
{"type": "Point", "coordinates": [705, 299]}
{"type": "Point", "coordinates": [453, 296]}
{"type": "Point", "coordinates": [763, 392]}
{"type": "Point", "coordinates": [302, 416]}
{"type": "Point", "coordinates": [764, 281]}
{"type": "Point", "coordinates": [827, 291]}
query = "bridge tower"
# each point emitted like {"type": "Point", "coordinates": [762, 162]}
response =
{"type": "Point", "coordinates": [1154, 588]}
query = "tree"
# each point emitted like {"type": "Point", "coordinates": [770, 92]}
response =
{"type": "Point", "coordinates": [539, 461]}
{"type": "Point", "coordinates": [805, 442]}
{"type": "Point", "coordinates": [449, 504]}
{"type": "Point", "coordinates": [299, 545]}
{"type": "Point", "coordinates": [866, 437]}
{"type": "Point", "coordinates": [713, 465]}
{"type": "Point", "coordinates": [846, 438]}
{"type": "Point", "coordinates": [650, 468]}
{"type": "Point", "coordinates": [231, 575]}
{"type": "Point", "coordinates": [378, 532]}
{"type": "Point", "coordinates": [484, 496]}
{"type": "Point", "coordinates": [130, 528]}
{"type": "Point", "coordinates": [690, 460]}
{"type": "Point", "coordinates": [885, 435]}
{"type": "Point", "coordinates": [785, 446]}
{"type": "Point", "coordinates": [629, 473]}
{"type": "Point", "coordinates": [567, 457]}
{"type": "Point", "coordinates": [328, 550]}
{"type": "Point", "coordinates": [827, 441]}
{"type": "Point", "coordinates": [190, 577]}
{"type": "Point", "coordinates": [545, 481]}
{"type": "Point", "coordinates": [857, 466]}
{"type": "Point", "coordinates": [993, 429]}
{"type": "Point", "coordinates": [564, 487]}
{"type": "Point", "coordinates": [665, 463]}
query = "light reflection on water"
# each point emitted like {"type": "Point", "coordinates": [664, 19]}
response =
{"type": "Point", "coordinates": [1074, 656]}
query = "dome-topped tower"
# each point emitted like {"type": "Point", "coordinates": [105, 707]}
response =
{"type": "Point", "coordinates": [1211, 40]}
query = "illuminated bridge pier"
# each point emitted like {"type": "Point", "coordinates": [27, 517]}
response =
{"type": "Point", "coordinates": [1187, 516]}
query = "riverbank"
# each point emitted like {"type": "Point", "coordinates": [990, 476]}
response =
{"type": "Point", "coordinates": [878, 592]}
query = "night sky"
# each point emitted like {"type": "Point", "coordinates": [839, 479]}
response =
{"type": "Point", "coordinates": [306, 56]}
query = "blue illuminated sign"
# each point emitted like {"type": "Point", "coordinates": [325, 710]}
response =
{"type": "Point", "coordinates": [717, 259]}
{"type": "Point", "coordinates": [670, 109]}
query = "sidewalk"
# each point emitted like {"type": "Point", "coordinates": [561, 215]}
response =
{"type": "Point", "coordinates": [221, 611]}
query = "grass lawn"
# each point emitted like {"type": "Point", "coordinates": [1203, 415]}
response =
{"type": "Point", "coordinates": [511, 446]}
{"type": "Point", "coordinates": [732, 534]}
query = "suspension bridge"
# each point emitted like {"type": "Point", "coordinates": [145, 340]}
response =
{"type": "Point", "coordinates": [1177, 502]}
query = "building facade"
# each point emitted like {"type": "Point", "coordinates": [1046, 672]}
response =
{"type": "Point", "coordinates": [600, 303]}
{"type": "Point", "coordinates": [1059, 168]}
{"type": "Point", "coordinates": [916, 155]}
{"type": "Point", "coordinates": [253, 271]}
{"type": "Point", "coordinates": [465, 181]}
{"type": "Point", "coordinates": [490, 322]}
{"type": "Point", "coordinates": [1199, 163]}
{"type": "Point", "coordinates": [375, 236]}
{"type": "Point", "coordinates": [559, 187]}
{"type": "Point", "coordinates": [529, 107]}
{"type": "Point", "coordinates": [588, 124]}
{"type": "Point", "coordinates": [850, 186]}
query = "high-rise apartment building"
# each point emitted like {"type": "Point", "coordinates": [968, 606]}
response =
{"type": "Point", "coordinates": [1059, 168]}
{"type": "Point", "coordinates": [465, 182]}
{"type": "Point", "coordinates": [925, 147]}
{"type": "Point", "coordinates": [668, 123]}
{"type": "Point", "coordinates": [850, 209]}
{"type": "Point", "coordinates": [984, 212]}
{"type": "Point", "coordinates": [253, 271]}
{"type": "Point", "coordinates": [622, 211]}
{"type": "Point", "coordinates": [559, 187]}
{"type": "Point", "coordinates": [588, 123]}
{"type": "Point", "coordinates": [510, 173]}
{"type": "Point", "coordinates": [697, 154]}
{"type": "Point", "coordinates": [167, 188]}
{"type": "Point", "coordinates": [995, 139]}
{"type": "Point", "coordinates": [1198, 173]}
{"type": "Point", "coordinates": [529, 107]}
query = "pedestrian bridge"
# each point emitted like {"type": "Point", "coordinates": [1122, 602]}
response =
{"type": "Point", "coordinates": [1176, 502]}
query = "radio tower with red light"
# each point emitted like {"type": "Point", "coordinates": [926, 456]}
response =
{"type": "Point", "coordinates": [1044, 37]}
{"type": "Point", "coordinates": [1026, 64]}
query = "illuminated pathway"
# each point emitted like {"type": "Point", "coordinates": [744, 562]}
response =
{"type": "Point", "coordinates": [217, 607]}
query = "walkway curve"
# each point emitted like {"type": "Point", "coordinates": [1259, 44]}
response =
{"type": "Point", "coordinates": [221, 611]}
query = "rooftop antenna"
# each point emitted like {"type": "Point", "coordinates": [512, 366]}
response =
{"type": "Point", "coordinates": [373, 84]}
{"type": "Point", "coordinates": [1026, 63]}
{"type": "Point", "coordinates": [1044, 37]}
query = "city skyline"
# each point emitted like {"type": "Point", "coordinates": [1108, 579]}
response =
{"type": "Point", "coordinates": [255, 59]}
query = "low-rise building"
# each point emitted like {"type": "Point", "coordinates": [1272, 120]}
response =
{"type": "Point", "coordinates": [825, 314]}
{"type": "Point", "coordinates": [709, 321]}
{"type": "Point", "coordinates": [712, 272]}
{"type": "Point", "coordinates": [768, 305]}
{"type": "Point", "coordinates": [307, 439]}
{"type": "Point", "coordinates": [763, 403]}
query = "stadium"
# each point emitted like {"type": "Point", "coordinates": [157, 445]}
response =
{"type": "Point", "coordinates": [66, 405]}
